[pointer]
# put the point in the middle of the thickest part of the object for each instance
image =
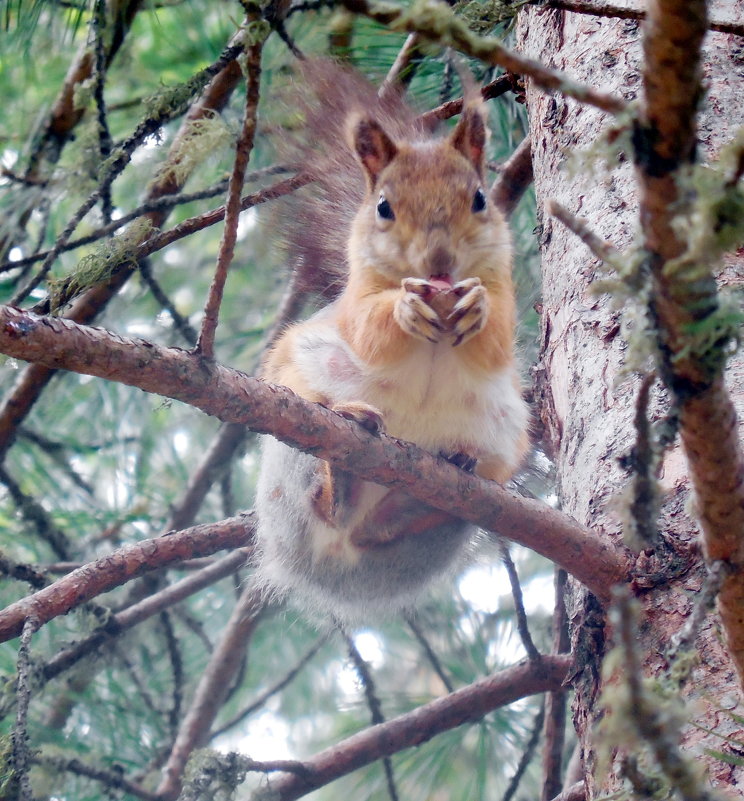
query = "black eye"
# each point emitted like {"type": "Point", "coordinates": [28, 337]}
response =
{"type": "Point", "coordinates": [384, 209]}
{"type": "Point", "coordinates": [479, 201]}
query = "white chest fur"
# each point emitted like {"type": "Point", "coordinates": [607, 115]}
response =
{"type": "Point", "coordinates": [431, 397]}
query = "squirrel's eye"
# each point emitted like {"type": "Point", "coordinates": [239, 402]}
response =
{"type": "Point", "coordinates": [384, 209]}
{"type": "Point", "coordinates": [479, 201]}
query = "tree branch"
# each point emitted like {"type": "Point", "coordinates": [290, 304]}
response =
{"type": "Point", "coordinates": [205, 344]}
{"type": "Point", "coordinates": [119, 567]}
{"type": "Point", "coordinates": [499, 86]}
{"type": "Point", "coordinates": [145, 609]}
{"type": "Point", "coordinates": [212, 690]}
{"type": "Point", "coordinates": [439, 24]}
{"type": "Point", "coordinates": [601, 9]}
{"type": "Point", "coordinates": [269, 692]}
{"type": "Point", "coordinates": [685, 298]}
{"type": "Point", "coordinates": [469, 704]}
{"type": "Point", "coordinates": [234, 397]}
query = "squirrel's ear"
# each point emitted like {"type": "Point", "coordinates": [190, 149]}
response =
{"type": "Point", "coordinates": [373, 146]}
{"type": "Point", "coordinates": [469, 137]}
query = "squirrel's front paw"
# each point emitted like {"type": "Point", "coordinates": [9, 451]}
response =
{"type": "Point", "coordinates": [471, 310]}
{"type": "Point", "coordinates": [413, 313]}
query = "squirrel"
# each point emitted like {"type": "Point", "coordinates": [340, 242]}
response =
{"type": "Point", "coordinates": [418, 344]}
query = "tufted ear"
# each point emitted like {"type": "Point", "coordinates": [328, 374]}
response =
{"type": "Point", "coordinates": [470, 135]}
{"type": "Point", "coordinates": [374, 148]}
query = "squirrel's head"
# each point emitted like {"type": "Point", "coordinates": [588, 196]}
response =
{"type": "Point", "coordinates": [426, 212]}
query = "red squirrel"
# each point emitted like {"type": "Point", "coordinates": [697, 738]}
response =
{"type": "Point", "coordinates": [419, 344]}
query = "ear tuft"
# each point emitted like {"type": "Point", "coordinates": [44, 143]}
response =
{"type": "Point", "coordinates": [470, 136]}
{"type": "Point", "coordinates": [374, 148]}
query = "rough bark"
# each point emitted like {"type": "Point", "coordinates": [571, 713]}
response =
{"type": "Point", "coordinates": [587, 403]}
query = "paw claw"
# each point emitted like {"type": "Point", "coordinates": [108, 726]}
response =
{"type": "Point", "coordinates": [462, 460]}
{"type": "Point", "coordinates": [471, 311]}
{"type": "Point", "coordinates": [413, 312]}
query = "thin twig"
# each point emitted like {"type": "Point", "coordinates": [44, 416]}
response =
{"type": "Point", "coordinates": [19, 735]}
{"type": "Point", "coordinates": [176, 661]}
{"type": "Point", "coordinates": [521, 615]}
{"type": "Point", "coordinates": [373, 702]}
{"type": "Point", "coordinates": [200, 222]}
{"type": "Point", "coordinates": [403, 68]}
{"type": "Point", "coordinates": [205, 343]}
{"type": "Point", "coordinates": [555, 704]}
{"type": "Point", "coordinates": [644, 503]}
{"type": "Point", "coordinates": [601, 248]}
{"type": "Point", "coordinates": [119, 161]}
{"type": "Point", "coordinates": [527, 755]}
{"type": "Point", "coordinates": [180, 323]}
{"type": "Point", "coordinates": [105, 144]}
{"type": "Point", "coordinates": [58, 453]}
{"type": "Point", "coordinates": [111, 779]}
{"type": "Point", "coordinates": [162, 203]}
{"type": "Point", "coordinates": [495, 88]}
{"type": "Point", "coordinates": [35, 513]}
{"type": "Point", "coordinates": [430, 655]}
{"type": "Point", "coordinates": [22, 572]}
{"type": "Point", "coordinates": [271, 691]}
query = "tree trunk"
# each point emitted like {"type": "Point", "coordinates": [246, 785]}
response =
{"type": "Point", "coordinates": [586, 401]}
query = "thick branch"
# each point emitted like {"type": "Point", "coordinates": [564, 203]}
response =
{"type": "Point", "coordinates": [439, 24]}
{"type": "Point", "coordinates": [234, 397]}
{"type": "Point", "coordinates": [600, 9]}
{"type": "Point", "coordinates": [462, 706]}
{"type": "Point", "coordinates": [683, 299]}
{"type": "Point", "coordinates": [119, 567]}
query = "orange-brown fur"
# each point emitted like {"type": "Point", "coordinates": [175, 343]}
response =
{"type": "Point", "coordinates": [381, 354]}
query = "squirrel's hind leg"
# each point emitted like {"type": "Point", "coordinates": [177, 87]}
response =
{"type": "Point", "coordinates": [396, 516]}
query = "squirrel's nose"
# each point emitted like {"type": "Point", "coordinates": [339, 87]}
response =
{"type": "Point", "coordinates": [440, 261]}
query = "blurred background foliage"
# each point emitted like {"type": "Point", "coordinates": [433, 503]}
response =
{"type": "Point", "coordinates": [96, 464]}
